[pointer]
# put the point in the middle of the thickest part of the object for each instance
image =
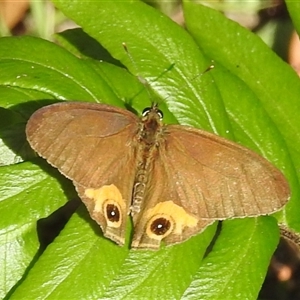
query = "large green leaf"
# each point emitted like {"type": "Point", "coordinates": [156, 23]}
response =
{"type": "Point", "coordinates": [22, 203]}
{"type": "Point", "coordinates": [101, 269]}
{"type": "Point", "coordinates": [240, 274]}
{"type": "Point", "coordinates": [238, 99]}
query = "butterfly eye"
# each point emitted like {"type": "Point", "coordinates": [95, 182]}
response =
{"type": "Point", "coordinates": [160, 114]}
{"type": "Point", "coordinates": [160, 226]}
{"type": "Point", "coordinates": [146, 111]}
{"type": "Point", "coordinates": [112, 213]}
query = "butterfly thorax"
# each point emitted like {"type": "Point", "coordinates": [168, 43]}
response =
{"type": "Point", "coordinates": [149, 136]}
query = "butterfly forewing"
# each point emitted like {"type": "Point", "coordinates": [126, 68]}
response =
{"type": "Point", "coordinates": [93, 145]}
{"type": "Point", "coordinates": [227, 180]}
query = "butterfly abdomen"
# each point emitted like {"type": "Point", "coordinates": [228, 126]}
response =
{"type": "Point", "coordinates": [138, 190]}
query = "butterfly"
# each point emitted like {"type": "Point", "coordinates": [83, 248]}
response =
{"type": "Point", "coordinates": [173, 180]}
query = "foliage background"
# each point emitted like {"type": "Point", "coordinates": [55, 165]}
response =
{"type": "Point", "coordinates": [250, 97]}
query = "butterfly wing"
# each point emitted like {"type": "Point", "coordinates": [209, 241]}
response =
{"type": "Point", "coordinates": [93, 145]}
{"type": "Point", "coordinates": [199, 178]}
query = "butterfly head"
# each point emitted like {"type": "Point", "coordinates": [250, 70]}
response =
{"type": "Point", "coordinates": [151, 124]}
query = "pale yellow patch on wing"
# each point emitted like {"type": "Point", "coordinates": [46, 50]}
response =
{"type": "Point", "coordinates": [106, 192]}
{"type": "Point", "coordinates": [108, 200]}
{"type": "Point", "coordinates": [174, 213]}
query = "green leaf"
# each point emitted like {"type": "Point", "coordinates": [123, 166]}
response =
{"type": "Point", "coordinates": [222, 274]}
{"type": "Point", "coordinates": [61, 75]}
{"type": "Point", "coordinates": [160, 51]}
{"type": "Point", "coordinates": [104, 270]}
{"type": "Point", "coordinates": [82, 45]}
{"type": "Point", "coordinates": [22, 203]}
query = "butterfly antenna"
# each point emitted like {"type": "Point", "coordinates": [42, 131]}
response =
{"type": "Point", "coordinates": [209, 68]}
{"type": "Point", "coordinates": [145, 82]}
{"type": "Point", "coordinates": [140, 78]}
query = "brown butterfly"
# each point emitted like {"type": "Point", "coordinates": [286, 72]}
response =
{"type": "Point", "coordinates": [173, 180]}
